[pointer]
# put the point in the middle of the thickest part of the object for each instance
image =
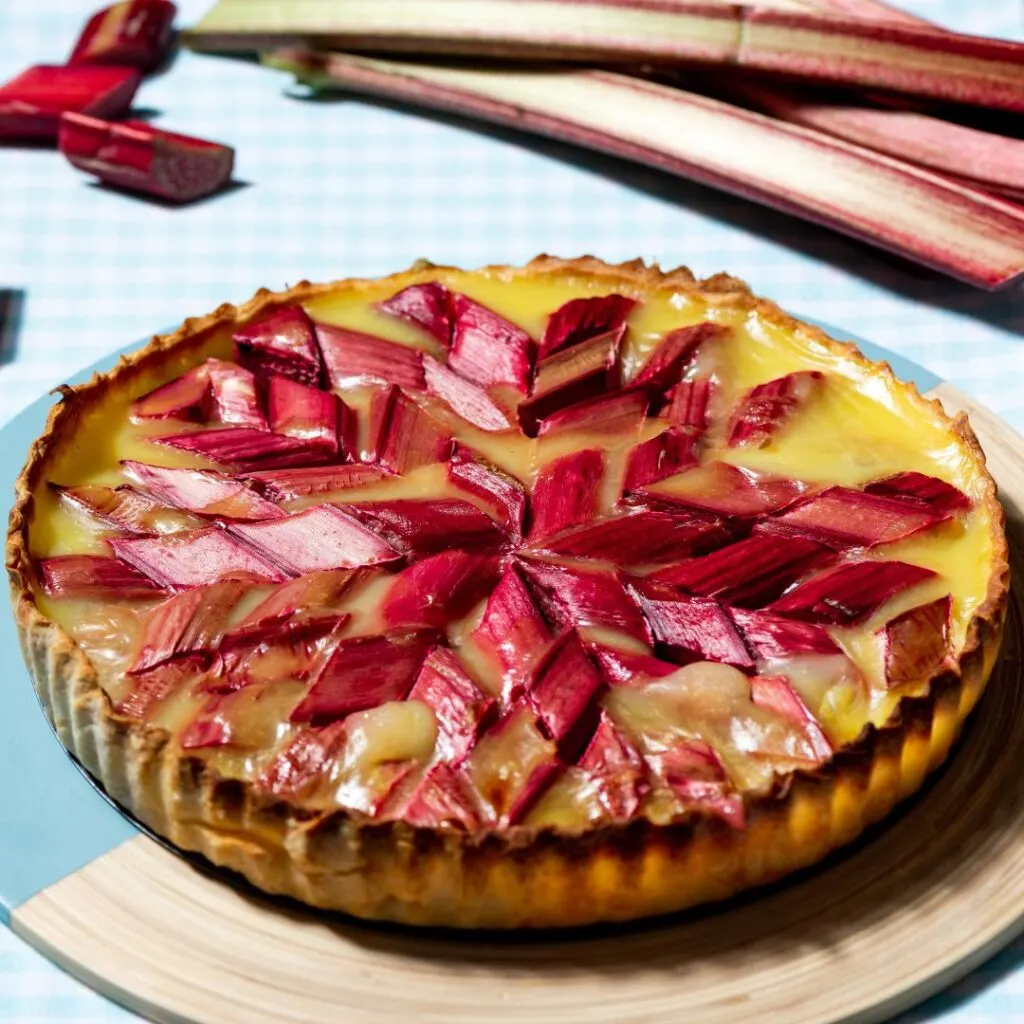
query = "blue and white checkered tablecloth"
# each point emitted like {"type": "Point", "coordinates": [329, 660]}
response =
{"type": "Point", "coordinates": [328, 189]}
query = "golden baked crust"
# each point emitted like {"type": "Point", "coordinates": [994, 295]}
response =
{"type": "Point", "coordinates": [500, 879]}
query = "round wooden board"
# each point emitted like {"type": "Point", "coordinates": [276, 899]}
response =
{"type": "Point", "coordinates": [872, 931]}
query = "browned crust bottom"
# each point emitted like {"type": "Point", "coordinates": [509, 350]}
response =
{"type": "Point", "coordinates": [523, 877]}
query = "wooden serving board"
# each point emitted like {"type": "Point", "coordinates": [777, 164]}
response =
{"type": "Point", "coordinates": [907, 911]}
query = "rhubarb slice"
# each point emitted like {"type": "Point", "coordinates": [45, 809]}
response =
{"type": "Point", "coordinates": [849, 593]}
{"type": "Point", "coordinates": [941, 497]}
{"type": "Point", "coordinates": [134, 33]}
{"type": "Point", "coordinates": [687, 404]}
{"type": "Point", "coordinates": [443, 797]}
{"type": "Point", "coordinates": [502, 493]}
{"type": "Point", "coordinates": [354, 358]}
{"type": "Point", "coordinates": [461, 708]}
{"type": "Point", "coordinates": [572, 597]}
{"type": "Point", "coordinates": [616, 771]}
{"type": "Point", "coordinates": [465, 398]}
{"type": "Point", "coordinates": [303, 481]}
{"type": "Point", "coordinates": [566, 492]}
{"type": "Point", "coordinates": [320, 537]}
{"type": "Point", "coordinates": [138, 156]}
{"type": "Point", "coordinates": [427, 306]}
{"type": "Point", "coordinates": [149, 689]}
{"type": "Point", "coordinates": [305, 762]}
{"type": "Point", "coordinates": [621, 412]}
{"type": "Point", "coordinates": [672, 451]}
{"type": "Point", "coordinates": [668, 362]}
{"type": "Point", "coordinates": [766, 408]}
{"type": "Point", "coordinates": [362, 673]}
{"type": "Point", "coordinates": [241, 448]}
{"type": "Point", "coordinates": [194, 559]}
{"type": "Point", "coordinates": [691, 628]}
{"type": "Point", "coordinates": [580, 320]}
{"type": "Point", "coordinates": [183, 398]}
{"type": "Point", "coordinates": [94, 576]}
{"type": "Point", "coordinates": [233, 398]}
{"type": "Point", "coordinates": [917, 643]}
{"type": "Point", "coordinates": [404, 435]}
{"type": "Point", "coordinates": [304, 412]}
{"type": "Point", "coordinates": [283, 343]}
{"type": "Point", "coordinates": [694, 773]}
{"type": "Point", "coordinates": [298, 599]}
{"type": "Point", "coordinates": [123, 508]}
{"type": "Point", "coordinates": [426, 526]}
{"type": "Point", "coordinates": [432, 592]}
{"type": "Point", "coordinates": [565, 686]}
{"type": "Point", "coordinates": [31, 104]}
{"type": "Point", "coordinates": [487, 349]}
{"type": "Point", "coordinates": [628, 668]}
{"type": "Point", "coordinates": [773, 638]}
{"type": "Point", "coordinates": [774, 694]}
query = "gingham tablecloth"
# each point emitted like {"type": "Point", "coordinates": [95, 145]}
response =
{"type": "Point", "coordinates": [328, 189]}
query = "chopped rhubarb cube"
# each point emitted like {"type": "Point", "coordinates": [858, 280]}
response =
{"type": "Point", "coordinates": [183, 398]}
{"type": "Point", "coordinates": [136, 155]}
{"type": "Point", "coordinates": [354, 358]}
{"type": "Point", "coordinates": [669, 453]}
{"type": "Point", "coordinates": [320, 537]}
{"type": "Point", "coordinates": [668, 362]}
{"type": "Point", "coordinates": [363, 672]}
{"type": "Point", "coordinates": [404, 436]}
{"type": "Point", "coordinates": [624, 668]}
{"type": "Point", "coordinates": [134, 33]}
{"type": "Point", "coordinates": [766, 408]}
{"type": "Point", "coordinates": [94, 576]}
{"type": "Point", "coordinates": [502, 493]}
{"type": "Point", "coordinates": [776, 695]}
{"type": "Point", "coordinates": [303, 412]}
{"type": "Point", "coordinates": [460, 707]}
{"type": "Point", "coordinates": [432, 592]}
{"type": "Point", "coordinates": [580, 320]}
{"type": "Point", "coordinates": [487, 349]}
{"type": "Point", "coordinates": [122, 507]}
{"type": "Point", "coordinates": [303, 481]}
{"type": "Point", "coordinates": [194, 559]}
{"type": "Point", "coordinates": [242, 448]}
{"type": "Point", "coordinates": [774, 638]}
{"type": "Point", "coordinates": [31, 104]}
{"type": "Point", "coordinates": [621, 412]}
{"type": "Point", "coordinates": [427, 306]}
{"type": "Point", "coordinates": [577, 598]}
{"type": "Point", "coordinates": [425, 526]}
{"type": "Point", "coordinates": [616, 770]}
{"type": "Point", "coordinates": [849, 593]}
{"type": "Point", "coordinates": [465, 398]}
{"type": "Point", "coordinates": [304, 762]}
{"type": "Point", "coordinates": [149, 689]}
{"type": "Point", "coordinates": [283, 344]}
{"type": "Point", "coordinates": [687, 404]}
{"type": "Point", "coordinates": [443, 797]}
{"type": "Point", "coordinates": [233, 398]}
{"type": "Point", "coordinates": [917, 643]}
{"type": "Point", "coordinates": [566, 492]}
{"type": "Point", "coordinates": [751, 572]}
{"type": "Point", "coordinates": [691, 628]}
{"type": "Point", "coordinates": [938, 495]}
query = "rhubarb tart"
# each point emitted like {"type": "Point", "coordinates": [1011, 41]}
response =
{"type": "Point", "coordinates": [520, 597]}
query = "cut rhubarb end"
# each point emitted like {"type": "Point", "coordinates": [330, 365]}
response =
{"type": "Point", "coordinates": [281, 344]}
{"type": "Point", "coordinates": [321, 537]}
{"type": "Point", "coordinates": [621, 412]}
{"type": "Point", "coordinates": [765, 409]}
{"type": "Point", "coordinates": [774, 694]}
{"type": "Point", "coordinates": [136, 33]}
{"type": "Point", "coordinates": [304, 762]}
{"type": "Point", "coordinates": [123, 508]}
{"type": "Point", "coordinates": [306, 596]}
{"type": "Point", "coordinates": [566, 492]}
{"type": "Point", "coordinates": [362, 673]}
{"type": "Point", "coordinates": [463, 397]}
{"type": "Point", "coordinates": [669, 453]}
{"type": "Point", "coordinates": [427, 306]}
{"type": "Point", "coordinates": [564, 688]}
{"type": "Point", "coordinates": [773, 638]}
{"type": "Point", "coordinates": [443, 798]}
{"type": "Point", "coordinates": [194, 559]}
{"type": "Point", "coordinates": [616, 770]}
{"type": "Point", "coordinates": [233, 398]}
{"type": "Point", "coordinates": [152, 688]}
{"type": "Point", "coordinates": [628, 668]}
{"type": "Point", "coordinates": [304, 481]}
{"type": "Point", "coordinates": [941, 497]}
{"type": "Point", "coordinates": [460, 707]}
{"type": "Point", "coordinates": [183, 398]}
{"type": "Point", "coordinates": [94, 576]}
{"type": "Point", "coordinates": [917, 644]}
{"type": "Point", "coordinates": [751, 572]}
{"type": "Point", "coordinates": [502, 493]}
{"type": "Point", "coordinates": [487, 349]}
{"type": "Point", "coordinates": [425, 526]}
{"type": "Point", "coordinates": [669, 361]}
{"type": "Point", "coordinates": [687, 403]}
{"type": "Point", "coordinates": [711, 798]}
{"type": "Point", "coordinates": [577, 598]}
{"type": "Point", "coordinates": [353, 358]}
{"type": "Point", "coordinates": [432, 592]}
{"type": "Point", "coordinates": [31, 104]}
{"type": "Point", "coordinates": [211, 727]}
{"type": "Point", "coordinates": [404, 435]}
{"type": "Point", "coordinates": [849, 593]}
{"type": "Point", "coordinates": [135, 155]}
{"type": "Point", "coordinates": [241, 448]}
{"type": "Point", "coordinates": [580, 320]}
{"type": "Point", "coordinates": [691, 628]}
{"type": "Point", "coordinates": [694, 773]}
{"type": "Point", "coordinates": [200, 491]}
{"type": "Point", "coordinates": [303, 412]}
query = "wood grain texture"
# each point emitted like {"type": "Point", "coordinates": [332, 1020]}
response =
{"type": "Point", "coordinates": [870, 932]}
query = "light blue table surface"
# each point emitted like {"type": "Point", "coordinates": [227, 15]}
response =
{"type": "Point", "coordinates": [328, 189]}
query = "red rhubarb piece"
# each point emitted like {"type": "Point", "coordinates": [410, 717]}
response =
{"type": "Point", "coordinates": [363, 672]}
{"type": "Point", "coordinates": [211, 726]}
{"type": "Point", "coordinates": [194, 559]}
{"type": "Point", "coordinates": [320, 537]}
{"type": "Point", "coordinates": [303, 481]}
{"type": "Point", "coordinates": [621, 412]}
{"type": "Point", "coordinates": [694, 772]}
{"type": "Point", "coordinates": [671, 452]}
{"type": "Point", "coordinates": [502, 493]}
{"type": "Point", "coordinates": [576, 598]}
{"type": "Point", "coordinates": [183, 398]}
{"type": "Point", "coordinates": [443, 797]}
{"type": "Point", "coordinates": [149, 689]}
{"type": "Point", "coordinates": [691, 628]}
{"type": "Point", "coordinates": [303, 412]}
{"type": "Point", "coordinates": [774, 694]}
{"type": "Point", "coordinates": [487, 349]}
{"type": "Point", "coordinates": [623, 667]}
{"type": "Point", "coordinates": [201, 491]}
{"type": "Point", "coordinates": [233, 398]}
{"type": "Point", "coordinates": [767, 407]}
{"type": "Point", "coordinates": [94, 576]}
{"type": "Point", "coordinates": [459, 705]}
{"type": "Point", "coordinates": [938, 495]}
{"type": "Point", "coordinates": [123, 508]}
{"type": "Point", "coordinates": [242, 448]}
{"type": "Point", "coordinates": [432, 592]}
{"type": "Point", "coordinates": [773, 638]}
{"type": "Point", "coordinates": [297, 599]}
{"type": "Point", "coordinates": [616, 771]}
{"type": "Point", "coordinates": [566, 492]}
{"type": "Point", "coordinates": [404, 436]}
{"type": "Point", "coordinates": [686, 404]}
{"type": "Point", "coordinates": [353, 358]}
{"type": "Point", "coordinates": [917, 644]}
{"type": "Point", "coordinates": [425, 526]}
{"type": "Point", "coordinates": [465, 398]}
{"type": "Point", "coordinates": [580, 320]}
{"type": "Point", "coordinates": [304, 762]}
{"type": "Point", "coordinates": [565, 686]}
{"type": "Point", "coordinates": [849, 593]}
{"type": "Point", "coordinates": [31, 104]}
{"type": "Point", "coordinates": [427, 306]}
{"type": "Point", "coordinates": [135, 33]}
{"type": "Point", "coordinates": [136, 155]}
{"type": "Point", "coordinates": [668, 362]}
{"type": "Point", "coordinates": [751, 572]}
{"type": "Point", "coordinates": [283, 344]}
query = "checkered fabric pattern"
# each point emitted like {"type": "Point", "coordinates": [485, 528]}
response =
{"type": "Point", "coordinates": [333, 188]}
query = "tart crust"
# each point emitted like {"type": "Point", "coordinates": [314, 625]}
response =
{"type": "Point", "coordinates": [523, 877]}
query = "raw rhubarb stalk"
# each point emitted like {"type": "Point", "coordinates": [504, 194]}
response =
{"type": "Point", "coordinates": [443, 797]}
{"type": "Point", "coordinates": [773, 638]}
{"type": "Point", "coordinates": [427, 306]}
{"type": "Point", "coordinates": [463, 397]}
{"type": "Point", "coordinates": [282, 343]}
{"type": "Point", "coordinates": [424, 526]}
{"type": "Point", "coordinates": [404, 435]}
{"type": "Point", "coordinates": [303, 412]}
{"type": "Point", "coordinates": [304, 762]}
{"type": "Point", "coordinates": [686, 404]}
{"type": "Point", "coordinates": [122, 508]}
{"type": "Point", "coordinates": [616, 771]}
{"type": "Point", "coordinates": [766, 408]}
{"type": "Point", "coordinates": [433, 591]}
{"type": "Point", "coordinates": [774, 694]}
{"type": "Point", "coordinates": [136, 155]}
{"type": "Point", "coordinates": [233, 398]}
{"type": "Point", "coordinates": [303, 481]}
{"type": "Point", "coordinates": [621, 412]}
{"type": "Point", "coordinates": [94, 576]}
{"type": "Point", "coordinates": [580, 320]}
{"type": "Point", "coordinates": [488, 349]}
{"type": "Point", "coordinates": [135, 33]}
{"type": "Point", "coordinates": [668, 362]}
{"type": "Point", "coordinates": [501, 493]}
{"type": "Point", "coordinates": [353, 358]}
{"type": "Point", "coordinates": [565, 687]}
{"type": "Point", "coordinates": [938, 495]}
{"type": "Point", "coordinates": [566, 492]}
{"type": "Point", "coordinates": [916, 644]}
{"type": "Point", "coordinates": [671, 452]}
{"type": "Point", "coordinates": [890, 203]}
{"type": "Point", "coordinates": [183, 398]}
{"type": "Point", "coordinates": [31, 105]}
{"type": "Point", "coordinates": [243, 448]}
